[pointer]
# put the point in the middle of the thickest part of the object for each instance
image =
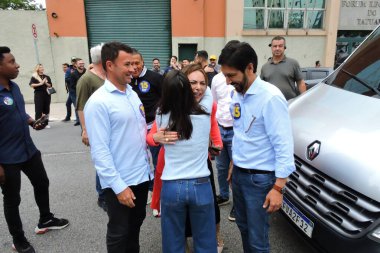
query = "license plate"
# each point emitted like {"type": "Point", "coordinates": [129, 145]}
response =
{"type": "Point", "coordinates": [304, 223]}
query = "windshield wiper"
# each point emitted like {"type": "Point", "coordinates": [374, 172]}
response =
{"type": "Point", "coordinates": [361, 81]}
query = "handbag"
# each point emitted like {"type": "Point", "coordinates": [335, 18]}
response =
{"type": "Point", "coordinates": [51, 90]}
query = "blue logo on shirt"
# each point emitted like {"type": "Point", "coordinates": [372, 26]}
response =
{"type": "Point", "coordinates": [237, 111]}
{"type": "Point", "coordinates": [142, 110]}
{"type": "Point", "coordinates": [8, 101]}
{"type": "Point", "coordinates": [144, 86]}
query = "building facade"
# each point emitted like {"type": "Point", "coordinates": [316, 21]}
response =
{"type": "Point", "coordinates": [321, 30]}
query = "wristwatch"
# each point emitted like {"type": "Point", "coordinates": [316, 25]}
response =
{"type": "Point", "coordinates": [279, 189]}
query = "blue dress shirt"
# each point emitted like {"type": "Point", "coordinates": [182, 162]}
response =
{"type": "Point", "coordinates": [16, 145]}
{"type": "Point", "coordinates": [262, 130]}
{"type": "Point", "coordinates": [115, 123]}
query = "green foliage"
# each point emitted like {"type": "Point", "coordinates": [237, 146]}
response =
{"type": "Point", "coordinates": [19, 5]}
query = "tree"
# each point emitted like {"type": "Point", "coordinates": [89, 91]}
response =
{"type": "Point", "coordinates": [19, 5]}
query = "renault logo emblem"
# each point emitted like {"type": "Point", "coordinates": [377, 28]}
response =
{"type": "Point", "coordinates": [313, 150]}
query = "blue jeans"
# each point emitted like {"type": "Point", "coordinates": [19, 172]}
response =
{"type": "Point", "coordinates": [249, 192]}
{"type": "Point", "coordinates": [223, 161]}
{"type": "Point", "coordinates": [73, 97]}
{"type": "Point", "coordinates": [192, 196]}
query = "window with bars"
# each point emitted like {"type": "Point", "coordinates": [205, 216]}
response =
{"type": "Point", "coordinates": [283, 14]}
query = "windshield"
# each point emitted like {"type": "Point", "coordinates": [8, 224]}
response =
{"type": "Point", "coordinates": [361, 72]}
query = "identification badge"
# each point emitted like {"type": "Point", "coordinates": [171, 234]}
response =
{"type": "Point", "coordinates": [237, 111]}
{"type": "Point", "coordinates": [8, 101]}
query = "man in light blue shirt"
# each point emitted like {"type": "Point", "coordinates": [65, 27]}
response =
{"type": "Point", "coordinates": [262, 146]}
{"type": "Point", "coordinates": [115, 121]}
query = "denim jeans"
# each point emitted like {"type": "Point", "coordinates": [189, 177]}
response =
{"type": "Point", "coordinates": [223, 161]}
{"type": "Point", "coordinates": [249, 192]}
{"type": "Point", "coordinates": [73, 97]}
{"type": "Point", "coordinates": [192, 196]}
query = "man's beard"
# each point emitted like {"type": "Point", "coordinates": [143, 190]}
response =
{"type": "Point", "coordinates": [241, 86]}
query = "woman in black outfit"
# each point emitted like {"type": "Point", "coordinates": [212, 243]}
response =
{"type": "Point", "coordinates": [40, 82]}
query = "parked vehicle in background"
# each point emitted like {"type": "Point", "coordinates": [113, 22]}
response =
{"type": "Point", "coordinates": [333, 197]}
{"type": "Point", "coordinates": [313, 75]}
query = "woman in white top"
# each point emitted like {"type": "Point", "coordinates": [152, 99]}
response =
{"type": "Point", "coordinates": [186, 184]}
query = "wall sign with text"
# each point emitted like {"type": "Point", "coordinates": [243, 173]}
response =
{"type": "Point", "coordinates": [359, 15]}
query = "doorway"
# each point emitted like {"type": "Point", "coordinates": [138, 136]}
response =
{"type": "Point", "coordinates": [187, 51]}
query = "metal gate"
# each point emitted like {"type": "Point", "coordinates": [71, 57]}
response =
{"type": "Point", "coordinates": [144, 25]}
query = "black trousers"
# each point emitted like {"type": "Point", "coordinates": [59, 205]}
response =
{"type": "Point", "coordinates": [216, 206]}
{"type": "Point", "coordinates": [123, 229]}
{"type": "Point", "coordinates": [41, 103]}
{"type": "Point", "coordinates": [68, 107]}
{"type": "Point", "coordinates": [34, 169]}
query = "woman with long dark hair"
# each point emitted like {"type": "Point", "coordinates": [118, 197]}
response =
{"type": "Point", "coordinates": [198, 81]}
{"type": "Point", "coordinates": [40, 82]}
{"type": "Point", "coordinates": [186, 187]}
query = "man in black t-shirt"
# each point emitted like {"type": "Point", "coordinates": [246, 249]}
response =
{"type": "Point", "coordinates": [147, 85]}
{"type": "Point", "coordinates": [78, 72]}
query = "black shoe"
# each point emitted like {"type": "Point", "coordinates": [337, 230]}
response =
{"type": "Point", "coordinates": [222, 201]}
{"type": "Point", "coordinates": [22, 246]}
{"type": "Point", "coordinates": [66, 119]}
{"type": "Point", "coordinates": [102, 204]}
{"type": "Point", "coordinates": [231, 216]}
{"type": "Point", "coordinates": [76, 124]}
{"type": "Point", "coordinates": [53, 223]}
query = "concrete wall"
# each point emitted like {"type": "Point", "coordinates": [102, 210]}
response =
{"type": "Point", "coordinates": [68, 33]}
{"type": "Point", "coordinates": [16, 33]}
{"type": "Point", "coordinates": [63, 48]}
{"type": "Point", "coordinates": [211, 45]}
{"type": "Point", "coordinates": [306, 46]}
{"type": "Point", "coordinates": [306, 50]}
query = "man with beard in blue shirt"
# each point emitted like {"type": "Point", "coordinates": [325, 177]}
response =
{"type": "Point", "coordinates": [262, 146]}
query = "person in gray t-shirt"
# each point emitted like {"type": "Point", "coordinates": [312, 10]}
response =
{"type": "Point", "coordinates": [282, 71]}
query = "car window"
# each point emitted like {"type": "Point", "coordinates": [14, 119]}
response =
{"type": "Point", "coordinates": [304, 76]}
{"type": "Point", "coordinates": [363, 65]}
{"type": "Point", "coordinates": [318, 74]}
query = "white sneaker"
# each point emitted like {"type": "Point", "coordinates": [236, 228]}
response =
{"type": "Point", "coordinates": [48, 127]}
{"type": "Point", "coordinates": [156, 213]}
{"type": "Point", "coordinates": [149, 197]}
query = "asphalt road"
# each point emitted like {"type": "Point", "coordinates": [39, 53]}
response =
{"type": "Point", "coordinates": [73, 196]}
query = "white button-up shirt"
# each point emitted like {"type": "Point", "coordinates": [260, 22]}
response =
{"type": "Point", "coordinates": [222, 94]}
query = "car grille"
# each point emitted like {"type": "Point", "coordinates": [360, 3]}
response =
{"type": "Point", "coordinates": [338, 206]}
